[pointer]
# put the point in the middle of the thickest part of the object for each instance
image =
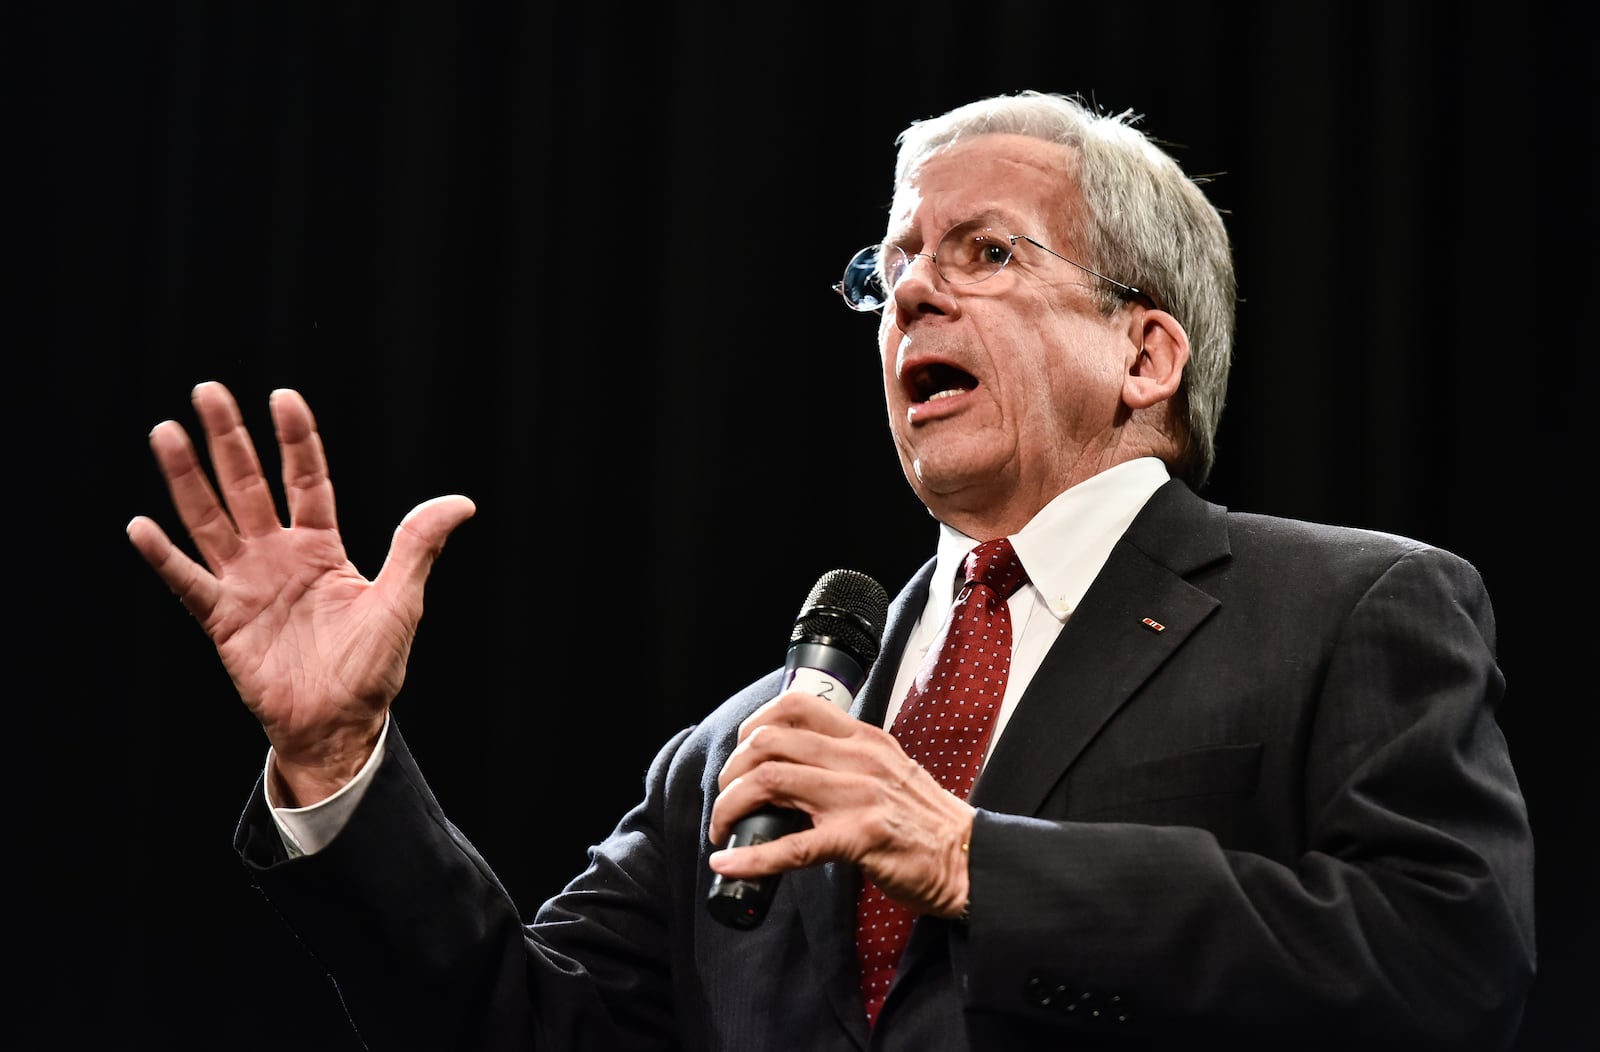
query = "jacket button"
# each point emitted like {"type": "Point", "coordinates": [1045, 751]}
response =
{"type": "Point", "coordinates": [1043, 992]}
{"type": "Point", "coordinates": [1116, 1008]}
{"type": "Point", "coordinates": [1085, 1005]}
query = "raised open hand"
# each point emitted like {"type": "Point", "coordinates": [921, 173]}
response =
{"type": "Point", "coordinates": [316, 651]}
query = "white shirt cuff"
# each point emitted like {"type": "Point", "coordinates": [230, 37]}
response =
{"type": "Point", "coordinates": [307, 830]}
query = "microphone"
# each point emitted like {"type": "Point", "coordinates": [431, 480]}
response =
{"type": "Point", "coordinates": [835, 640]}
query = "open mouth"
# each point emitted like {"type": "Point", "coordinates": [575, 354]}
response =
{"type": "Point", "coordinates": [933, 382]}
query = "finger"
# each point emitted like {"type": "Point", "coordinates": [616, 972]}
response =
{"type": "Point", "coordinates": [194, 499]}
{"type": "Point", "coordinates": [781, 784]}
{"type": "Point", "coordinates": [797, 850]}
{"type": "Point", "coordinates": [839, 805]}
{"type": "Point", "coordinates": [419, 539]}
{"type": "Point", "coordinates": [305, 466]}
{"type": "Point", "coordinates": [780, 742]}
{"type": "Point", "coordinates": [233, 458]}
{"type": "Point", "coordinates": [805, 729]}
{"type": "Point", "coordinates": [798, 708]}
{"type": "Point", "coordinates": [193, 586]}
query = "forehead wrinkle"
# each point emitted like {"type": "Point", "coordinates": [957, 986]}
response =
{"type": "Point", "coordinates": [901, 228]}
{"type": "Point", "coordinates": [970, 165]}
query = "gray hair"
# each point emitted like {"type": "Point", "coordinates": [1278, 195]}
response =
{"type": "Point", "coordinates": [1147, 224]}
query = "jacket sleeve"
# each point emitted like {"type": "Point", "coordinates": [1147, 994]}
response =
{"type": "Point", "coordinates": [428, 950]}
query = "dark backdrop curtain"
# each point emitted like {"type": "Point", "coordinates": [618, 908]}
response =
{"type": "Point", "coordinates": [575, 262]}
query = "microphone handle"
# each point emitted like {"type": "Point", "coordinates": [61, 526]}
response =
{"type": "Point", "coordinates": [743, 904]}
{"type": "Point", "coordinates": [829, 673]}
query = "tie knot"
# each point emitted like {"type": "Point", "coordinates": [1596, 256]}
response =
{"type": "Point", "coordinates": [995, 564]}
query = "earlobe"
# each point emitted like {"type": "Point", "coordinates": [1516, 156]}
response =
{"type": "Point", "coordinates": [1157, 367]}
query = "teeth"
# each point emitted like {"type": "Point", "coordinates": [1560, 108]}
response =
{"type": "Point", "coordinates": [950, 393]}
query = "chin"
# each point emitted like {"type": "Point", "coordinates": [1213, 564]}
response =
{"type": "Point", "coordinates": [933, 478]}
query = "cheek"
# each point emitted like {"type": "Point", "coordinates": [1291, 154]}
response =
{"type": "Point", "coordinates": [1036, 375]}
{"type": "Point", "coordinates": [888, 350]}
{"type": "Point", "coordinates": [1058, 385]}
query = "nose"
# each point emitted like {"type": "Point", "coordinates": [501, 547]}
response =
{"type": "Point", "coordinates": [911, 261]}
{"type": "Point", "coordinates": [920, 290]}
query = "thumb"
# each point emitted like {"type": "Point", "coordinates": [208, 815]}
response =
{"type": "Point", "coordinates": [420, 538]}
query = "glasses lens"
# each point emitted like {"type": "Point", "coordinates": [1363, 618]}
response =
{"type": "Point", "coordinates": [862, 287]}
{"type": "Point", "coordinates": [971, 252]}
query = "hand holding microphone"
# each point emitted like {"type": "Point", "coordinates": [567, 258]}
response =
{"type": "Point", "coordinates": [835, 639]}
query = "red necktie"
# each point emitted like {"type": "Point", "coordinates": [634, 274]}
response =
{"type": "Point", "coordinates": [945, 725]}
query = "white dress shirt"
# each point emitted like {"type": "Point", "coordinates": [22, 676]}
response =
{"type": "Point", "coordinates": [1062, 550]}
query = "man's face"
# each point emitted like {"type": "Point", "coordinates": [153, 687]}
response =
{"type": "Point", "coordinates": [1003, 393]}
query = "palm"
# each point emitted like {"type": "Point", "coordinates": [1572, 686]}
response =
{"type": "Point", "coordinates": [307, 639]}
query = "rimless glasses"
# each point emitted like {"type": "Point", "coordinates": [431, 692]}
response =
{"type": "Point", "coordinates": [969, 253]}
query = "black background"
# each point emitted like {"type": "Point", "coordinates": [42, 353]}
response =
{"type": "Point", "coordinates": [575, 263]}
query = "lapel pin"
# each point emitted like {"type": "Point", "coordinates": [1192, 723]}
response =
{"type": "Point", "coordinates": [1153, 625]}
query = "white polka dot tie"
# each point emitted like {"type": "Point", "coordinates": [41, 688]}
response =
{"type": "Point", "coordinates": [945, 726]}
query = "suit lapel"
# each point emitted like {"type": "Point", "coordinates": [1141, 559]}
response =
{"type": "Point", "coordinates": [1139, 610]}
{"type": "Point", "coordinates": [825, 895]}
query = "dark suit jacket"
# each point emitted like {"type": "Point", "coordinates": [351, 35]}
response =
{"type": "Point", "coordinates": [1255, 797]}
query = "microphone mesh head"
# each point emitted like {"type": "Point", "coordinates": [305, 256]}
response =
{"type": "Point", "coordinates": [845, 609]}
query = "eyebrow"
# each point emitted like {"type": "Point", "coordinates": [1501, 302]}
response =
{"type": "Point", "coordinates": [989, 215]}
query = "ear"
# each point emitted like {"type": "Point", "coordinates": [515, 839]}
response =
{"type": "Point", "coordinates": [1161, 351]}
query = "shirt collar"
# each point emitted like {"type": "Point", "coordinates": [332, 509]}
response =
{"type": "Point", "coordinates": [1062, 547]}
